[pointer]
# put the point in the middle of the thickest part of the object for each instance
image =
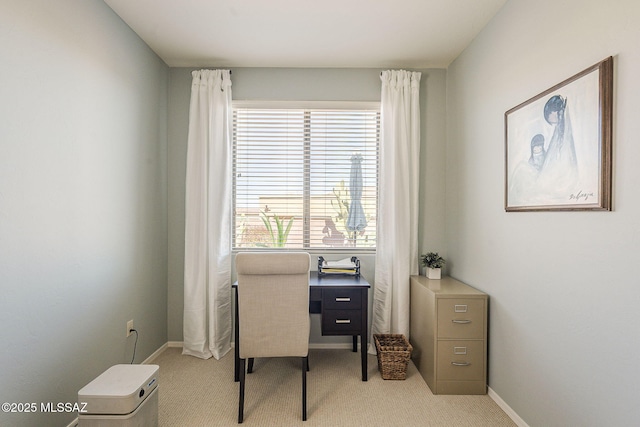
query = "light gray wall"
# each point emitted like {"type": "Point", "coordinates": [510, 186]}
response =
{"type": "Point", "coordinates": [82, 200]}
{"type": "Point", "coordinates": [302, 84]}
{"type": "Point", "coordinates": [563, 286]}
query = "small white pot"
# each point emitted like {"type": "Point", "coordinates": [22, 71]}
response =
{"type": "Point", "coordinates": [434, 273]}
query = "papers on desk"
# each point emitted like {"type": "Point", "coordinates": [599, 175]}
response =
{"type": "Point", "coordinates": [338, 271]}
{"type": "Point", "coordinates": [348, 266]}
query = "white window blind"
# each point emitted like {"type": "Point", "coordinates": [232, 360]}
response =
{"type": "Point", "coordinates": [293, 180]}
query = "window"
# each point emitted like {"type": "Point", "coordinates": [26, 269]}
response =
{"type": "Point", "coordinates": [293, 167]}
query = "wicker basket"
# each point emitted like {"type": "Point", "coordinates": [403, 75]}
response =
{"type": "Point", "coordinates": [394, 352]}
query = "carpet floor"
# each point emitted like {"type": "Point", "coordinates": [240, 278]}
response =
{"type": "Point", "coordinates": [195, 392]}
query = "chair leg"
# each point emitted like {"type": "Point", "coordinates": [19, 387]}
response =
{"type": "Point", "coordinates": [305, 367]}
{"type": "Point", "coordinates": [250, 365]}
{"type": "Point", "coordinates": [241, 397]}
{"type": "Point", "coordinates": [308, 364]}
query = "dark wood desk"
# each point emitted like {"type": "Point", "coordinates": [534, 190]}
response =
{"type": "Point", "coordinates": [343, 303]}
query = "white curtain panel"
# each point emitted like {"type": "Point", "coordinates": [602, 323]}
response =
{"type": "Point", "coordinates": [207, 263]}
{"type": "Point", "coordinates": [397, 234]}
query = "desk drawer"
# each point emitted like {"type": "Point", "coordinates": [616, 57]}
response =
{"type": "Point", "coordinates": [341, 299]}
{"type": "Point", "coordinates": [341, 322]}
{"type": "Point", "coordinates": [461, 318]}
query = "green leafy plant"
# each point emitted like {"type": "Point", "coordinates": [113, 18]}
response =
{"type": "Point", "coordinates": [341, 205]}
{"type": "Point", "coordinates": [432, 260]}
{"type": "Point", "coordinates": [280, 234]}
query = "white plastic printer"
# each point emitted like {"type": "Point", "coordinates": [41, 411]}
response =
{"type": "Point", "coordinates": [123, 396]}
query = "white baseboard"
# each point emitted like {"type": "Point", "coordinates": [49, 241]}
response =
{"type": "Point", "coordinates": [333, 346]}
{"type": "Point", "coordinates": [506, 408]}
{"type": "Point", "coordinates": [155, 354]}
{"type": "Point", "coordinates": [328, 346]}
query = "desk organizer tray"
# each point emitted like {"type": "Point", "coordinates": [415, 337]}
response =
{"type": "Point", "coordinates": [346, 267]}
{"type": "Point", "coordinates": [394, 352]}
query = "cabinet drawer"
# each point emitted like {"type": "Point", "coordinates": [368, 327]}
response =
{"type": "Point", "coordinates": [461, 318]}
{"type": "Point", "coordinates": [341, 322]}
{"type": "Point", "coordinates": [341, 299]}
{"type": "Point", "coordinates": [460, 360]}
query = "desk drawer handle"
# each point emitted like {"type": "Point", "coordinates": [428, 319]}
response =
{"type": "Point", "coordinates": [347, 321]}
{"type": "Point", "coordinates": [460, 363]}
{"type": "Point", "coordinates": [461, 321]}
{"type": "Point", "coordinates": [343, 299]}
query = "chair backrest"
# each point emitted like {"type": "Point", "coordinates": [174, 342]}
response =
{"type": "Point", "coordinates": [273, 303]}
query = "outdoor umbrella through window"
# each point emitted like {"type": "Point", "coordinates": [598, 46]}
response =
{"type": "Point", "coordinates": [356, 221]}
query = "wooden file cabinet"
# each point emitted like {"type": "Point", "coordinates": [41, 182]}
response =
{"type": "Point", "coordinates": [449, 335]}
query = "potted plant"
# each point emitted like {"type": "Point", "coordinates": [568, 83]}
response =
{"type": "Point", "coordinates": [434, 264]}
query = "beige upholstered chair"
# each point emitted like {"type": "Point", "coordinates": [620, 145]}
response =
{"type": "Point", "coordinates": [273, 311]}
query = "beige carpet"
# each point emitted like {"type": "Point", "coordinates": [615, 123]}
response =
{"type": "Point", "coordinates": [195, 392]}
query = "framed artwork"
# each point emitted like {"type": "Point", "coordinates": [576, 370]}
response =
{"type": "Point", "coordinates": [558, 145]}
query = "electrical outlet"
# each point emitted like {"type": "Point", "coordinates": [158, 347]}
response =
{"type": "Point", "coordinates": [129, 327]}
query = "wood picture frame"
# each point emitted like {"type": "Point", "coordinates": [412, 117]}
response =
{"type": "Point", "coordinates": [558, 145]}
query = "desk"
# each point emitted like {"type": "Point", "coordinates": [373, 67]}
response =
{"type": "Point", "coordinates": [343, 303]}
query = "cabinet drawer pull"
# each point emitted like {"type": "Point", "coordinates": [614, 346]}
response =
{"type": "Point", "coordinates": [339, 321]}
{"type": "Point", "coordinates": [461, 321]}
{"type": "Point", "coordinates": [343, 299]}
{"type": "Point", "coordinates": [460, 363]}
